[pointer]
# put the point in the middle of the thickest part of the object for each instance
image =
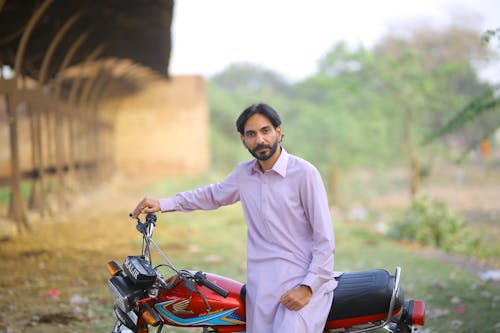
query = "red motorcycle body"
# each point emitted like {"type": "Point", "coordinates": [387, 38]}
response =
{"type": "Point", "coordinates": [179, 307]}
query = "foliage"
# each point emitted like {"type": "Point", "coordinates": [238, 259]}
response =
{"type": "Point", "coordinates": [488, 101]}
{"type": "Point", "coordinates": [369, 107]}
{"type": "Point", "coordinates": [255, 77]}
{"type": "Point", "coordinates": [430, 222]}
{"type": "Point", "coordinates": [427, 75]}
{"type": "Point", "coordinates": [479, 105]}
{"type": "Point", "coordinates": [490, 34]}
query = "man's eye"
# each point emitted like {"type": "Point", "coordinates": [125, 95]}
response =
{"type": "Point", "coordinates": [250, 134]}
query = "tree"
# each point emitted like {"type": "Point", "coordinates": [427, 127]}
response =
{"type": "Point", "coordinates": [427, 73]}
{"type": "Point", "coordinates": [486, 102]}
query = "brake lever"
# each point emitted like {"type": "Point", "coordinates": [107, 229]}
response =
{"type": "Point", "coordinates": [141, 226]}
{"type": "Point", "coordinates": [190, 285]}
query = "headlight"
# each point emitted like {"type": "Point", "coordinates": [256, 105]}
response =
{"type": "Point", "coordinates": [124, 293]}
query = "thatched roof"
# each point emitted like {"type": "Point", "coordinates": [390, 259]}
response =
{"type": "Point", "coordinates": [139, 30]}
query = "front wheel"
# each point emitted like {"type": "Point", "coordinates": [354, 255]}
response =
{"type": "Point", "coordinates": [119, 328]}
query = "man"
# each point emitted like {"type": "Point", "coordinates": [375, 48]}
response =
{"type": "Point", "coordinates": [290, 241]}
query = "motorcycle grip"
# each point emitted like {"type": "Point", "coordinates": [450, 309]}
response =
{"type": "Point", "coordinates": [202, 280]}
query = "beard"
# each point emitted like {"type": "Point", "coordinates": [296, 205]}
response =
{"type": "Point", "coordinates": [263, 156]}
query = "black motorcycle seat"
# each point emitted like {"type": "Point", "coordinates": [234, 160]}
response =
{"type": "Point", "coordinates": [363, 293]}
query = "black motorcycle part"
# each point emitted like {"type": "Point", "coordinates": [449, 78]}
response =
{"type": "Point", "coordinates": [139, 271]}
{"type": "Point", "coordinates": [363, 293]}
{"type": "Point", "coordinates": [201, 280]}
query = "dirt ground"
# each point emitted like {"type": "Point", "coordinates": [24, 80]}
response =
{"type": "Point", "coordinates": [54, 277]}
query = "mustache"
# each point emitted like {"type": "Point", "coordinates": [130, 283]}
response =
{"type": "Point", "coordinates": [262, 146]}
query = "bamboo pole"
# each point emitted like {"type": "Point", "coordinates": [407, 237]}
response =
{"type": "Point", "coordinates": [76, 126]}
{"type": "Point", "coordinates": [16, 196]}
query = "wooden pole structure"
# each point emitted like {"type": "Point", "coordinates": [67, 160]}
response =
{"type": "Point", "coordinates": [86, 122]}
{"type": "Point", "coordinates": [38, 193]}
{"type": "Point", "coordinates": [97, 139]}
{"type": "Point", "coordinates": [16, 197]}
{"type": "Point", "coordinates": [75, 114]}
{"type": "Point", "coordinates": [57, 115]}
{"type": "Point", "coordinates": [67, 111]}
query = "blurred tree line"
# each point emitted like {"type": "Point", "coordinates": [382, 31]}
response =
{"type": "Point", "coordinates": [398, 104]}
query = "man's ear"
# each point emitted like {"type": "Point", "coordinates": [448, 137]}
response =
{"type": "Point", "coordinates": [278, 132]}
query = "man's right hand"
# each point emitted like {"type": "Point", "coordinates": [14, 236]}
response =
{"type": "Point", "coordinates": [146, 205]}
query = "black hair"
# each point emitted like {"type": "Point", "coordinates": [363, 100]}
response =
{"type": "Point", "coordinates": [261, 108]}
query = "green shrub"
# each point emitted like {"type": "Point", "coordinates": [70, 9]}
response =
{"type": "Point", "coordinates": [430, 222]}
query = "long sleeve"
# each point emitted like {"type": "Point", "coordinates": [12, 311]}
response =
{"type": "Point", "coordinates": [207, 197]}
{"type": "Point", "coordinates": [317, 211]}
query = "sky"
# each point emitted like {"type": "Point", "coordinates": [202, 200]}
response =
{"type": "Point", "coordinates": [290, 36]}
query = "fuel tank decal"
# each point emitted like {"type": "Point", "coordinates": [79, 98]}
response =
{"type": "Point", "coordinates": [227, 317]}
{"type": "Point", "coordinates": [180, 307]}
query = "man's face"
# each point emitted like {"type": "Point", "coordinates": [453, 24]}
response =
{"type": "Point", "coordinates": [260, 137]}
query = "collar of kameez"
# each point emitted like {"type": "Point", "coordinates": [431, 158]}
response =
{"type": "Point", "coordinates": [279, 167]}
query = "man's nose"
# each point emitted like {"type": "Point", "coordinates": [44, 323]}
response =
{"type": "Point", "coordinates": [260, 138]}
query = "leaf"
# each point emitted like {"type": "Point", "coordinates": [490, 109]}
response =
{"type": "Point", "coordinates": [483, 103]}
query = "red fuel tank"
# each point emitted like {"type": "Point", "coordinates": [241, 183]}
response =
{"type": "Point", "coordinates": [182, 307]}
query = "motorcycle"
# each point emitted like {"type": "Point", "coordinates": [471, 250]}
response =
{"type": "Point", "coordinates": [143, 298]}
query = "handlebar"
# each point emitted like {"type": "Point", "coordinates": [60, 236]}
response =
{"type": "Point", "coordinates": [146, 228]}
{"type": "Point", "coordinates": [201, 280]}
{"type": "Point", "coordinates": [143, 227]}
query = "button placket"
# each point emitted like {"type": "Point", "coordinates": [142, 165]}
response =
{"type": "Point", "coordinates": [265, 193]}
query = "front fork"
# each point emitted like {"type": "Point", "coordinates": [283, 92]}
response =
{"type": "Point", "coordinates": [118, 327]}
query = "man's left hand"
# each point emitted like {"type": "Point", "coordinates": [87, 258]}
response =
{"type": "Point", "coordinates": [295, 299]}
